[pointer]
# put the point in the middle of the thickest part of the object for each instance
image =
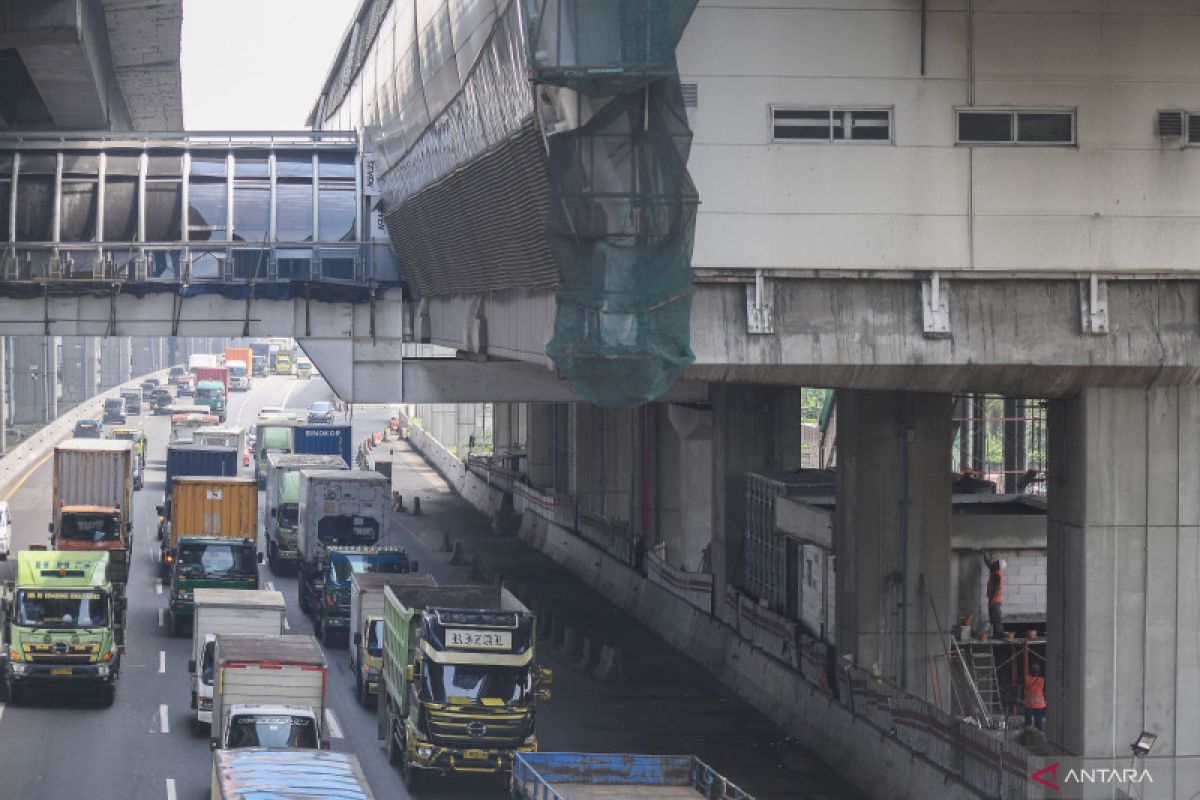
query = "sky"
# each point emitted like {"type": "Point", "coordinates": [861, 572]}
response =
{"type": "Point", "coordinates": [257, 64]}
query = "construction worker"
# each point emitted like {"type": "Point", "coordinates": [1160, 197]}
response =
{"type": "Point", "coordinates": [1035, 698]}
{"type": "Point", "coordinates": [995, 595]}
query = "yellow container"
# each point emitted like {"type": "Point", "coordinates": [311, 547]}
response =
{"type": "Point", "coordinates": [222, 507]}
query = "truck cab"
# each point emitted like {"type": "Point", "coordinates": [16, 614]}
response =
{"type": "Point", "coordinates": [283, 363]}
{"type": "Point", "coordinates": [272, 435]}
{"type": "Point", "coordinates": [239, 375]}
{"type": "Point", "coordinates": [325, 593]}
{"type": "Point", "coordinates": [133, 401]}
{"type": "Point", "coordinates": [367, 627]}
{"type": "Point", "coordinates": [212, 394]}
{"type": "Point", "coordinates": [303, 369]}
{"type": "Point", "coordinates": [92, 500]}
{"type": "Point", "coordinates": [65, 624]}
{"type": "Point", "coordinates": [114, 411]}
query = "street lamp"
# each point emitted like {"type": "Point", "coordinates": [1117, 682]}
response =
{"type": "Point", "coordinates": [1143, 744]}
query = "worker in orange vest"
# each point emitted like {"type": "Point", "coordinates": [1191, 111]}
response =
{"type": "Point", "coordinates": [1035, 698]}
{"type": "Point", "coordinates": [995, 595]}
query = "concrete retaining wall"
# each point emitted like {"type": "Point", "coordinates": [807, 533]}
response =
{"type": "Point", "coordinates": [27, 453]}
{"type": "Point", "coordinates": [882, 766]}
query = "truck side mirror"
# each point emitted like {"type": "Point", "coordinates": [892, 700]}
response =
{"type": "Point", "coordinates": [541, 695]}
{"type": "Point", "coordinates": [357, 639]}
{"type": "Point", "coordinates": [192, 666]}
{"type": "Point", "coordinates": [545, 676]}
{"type": "Point", "coordinates": [129, 527]}
{"type": "Point", "coordinates": [411, 673]}
{"type": "Point", "coordinates": [213, 744]}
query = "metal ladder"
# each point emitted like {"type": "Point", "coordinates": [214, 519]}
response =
{"type": "Point", "coordinates": [987, 683]}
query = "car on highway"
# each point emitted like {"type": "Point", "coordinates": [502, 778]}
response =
{"type": "Point", "coordinates": [88, 429]}
{"type": "Point", "coordinates": [177, 372]}
{"type": "Point", "coordinates": [185, 387]}
{"type": "Point", "coordinates": [150, 384]}
{"type": "Point", "coordinates": [320, 411]}
{"type": "Point", "coordinates": [5, 531]}
{"type": "Point", "coordinates": [161, 401]}
{"type": "Point", "coordinates": [114, 411]}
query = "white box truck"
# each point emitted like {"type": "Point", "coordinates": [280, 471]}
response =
{"type": "Point", "coordinates": [269, 691]}
{"type": "Point", "coordinates": [226, 611]}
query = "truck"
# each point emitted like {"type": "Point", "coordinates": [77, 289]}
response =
{"type": "Point", "coordinates": [138, 437]}
{"type": "Point", "coordinates": [578, 775]}
{"type": "Point", "coordinates": [366, 627]}
{"type": "Point", "coordinates": [304, 368]}
{"type": "Point", "coordinates": [210, 541]}
{"type": "Point", "coordinates": [218, 436]}
{"type": "Point", "coordinates": [325, 585]}
{"type": "Point", "coordinates": [186, 420]}
{"type": "Point", "coordinates": [92, 501]}
{"type": "Point", "coordinates": [460, 680]}
{"type": "Point", "coordinates": [287, 775]}
{"type": "Point", "coordinates": [238, 361]}
{"type": "Point", "coordinates": [114, 411]}
{"type": "Point", "coordinates": [283, 363]}
{"type": "Point", "coordinates": [65, 621]}
{"type": "Point", "coordinates": [133, 400]}
{"type": "Point", "coordinates": [199, 360]}
{"type": "Point", "coordinates": [268, 691]}
{"type": "Point", "coordinates": [260, 351]}
{"type": "Point", "coordinates": [323, 440]}
{"type": "Point", "coordinates": [212, 389]}
{"type": "Point", "coordinates": [283, 503]}
{"type": "Point", "coordinates": [272, 435]}
{"type": "Point", "coordinates": [226, 611]}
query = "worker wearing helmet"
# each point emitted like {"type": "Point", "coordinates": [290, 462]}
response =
{"type": "Point", "coordinates": [995, 595]}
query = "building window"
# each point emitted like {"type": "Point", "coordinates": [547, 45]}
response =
{"type": "Point", "coordinates": [831, 124]}
{"type": "Point", "coordinates": [1016, 126]}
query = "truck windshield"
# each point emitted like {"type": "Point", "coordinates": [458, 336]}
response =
{"type": "Point", "coordinates": [59, 608]}
{"type": "Point", "coordinates": [342, 567]}
{"type": "Point", "coordinates": [277, 730]}
{"type": "Point", "coordinates": [210, 394]}
{"type": "Point", "coordinates": [114, 405]}
{"type": "Point", "coordinates": [375, 638]}
{"type": "Point", "coordinates": [98, 527]}
{"type": "Point", "coordinates": [474, 682]}
{"type": "Point", "coordinates": [213, 558]}
{"type": "Point", "coordinates": [348, 530]}
{"type": "Point", "coordinates": [237, 372]}
{"type": "Point", "coordinates": [289, 515]}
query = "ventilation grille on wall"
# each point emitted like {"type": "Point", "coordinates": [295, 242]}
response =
{"type": "Point", "coordinates": [691, 94]}
{"type": "Point", "coordinates": [1170, 124]}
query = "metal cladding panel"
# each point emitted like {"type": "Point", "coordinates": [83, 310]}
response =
{"type": "Point", "coordinates": [322, 440]}
{"type": "Point", "coordinates": [260, 772]}
{"type": "Point", "coordinates": [329, 493]}
{"type": "Point", "coordinates": [93, 472]}
{"type": "Point", "coordinates": [214, 507]}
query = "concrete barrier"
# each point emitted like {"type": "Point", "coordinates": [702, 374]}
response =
{"type": "Point", "coordinates": [26, 454]}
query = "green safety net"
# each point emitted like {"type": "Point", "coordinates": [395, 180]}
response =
{"type": "Point", "coordinates": [622, 214]}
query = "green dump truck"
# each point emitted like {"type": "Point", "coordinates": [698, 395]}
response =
{"type": "Point", "coordinates": [65, 624]}
{"type": "Point", "coordinates": [460, 680]}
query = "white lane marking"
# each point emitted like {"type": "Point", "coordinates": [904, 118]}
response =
{"type": "Point", "coordinates": [335, 730]}
{"type": "Point", "coordinates": [286, 625]}
{"type": "Point", "coordinates": [158, 585]}
{"type": "Point", "coordinates": [270, 586]}
{"type": "Point", "coordinates": [162, 661]}
{"type": "Point", "coordinates": [160, 617]}
{"type": "Point", "coordinates": [162, 719]}
{"type": "Point", "coordinates": [170, 789]}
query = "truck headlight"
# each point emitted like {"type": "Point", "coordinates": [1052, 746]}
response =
{"type": "Point", "coordinates": [17, 668]}
{"type": "Point", "coordinates": [424, 751]}
{"type": "Point", "coordinates": [102, 670]}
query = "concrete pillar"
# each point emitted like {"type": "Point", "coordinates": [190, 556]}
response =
{"type": "Point", "coordinates": [114, 361]}
{"type": "Point", "coordinates": [692, 430]}
{"type": "Point", "coordinates": [80, 369]}
{"type": "Point", "coordinates": [892, 531]}
{"type": "Point", "coordinates": [541, 444]}
{"type": "Point", "coordinates": [754, 428]}
{"type": "Point", "coordinates": [34, 380]}
{"type": "Point", "coordinates": [1123, 608]}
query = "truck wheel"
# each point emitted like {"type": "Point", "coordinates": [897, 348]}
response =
{"type": "Point", "coordinates": [303, 599]}
{"type": "Point", "coordinates": [107, 695]}
{"type": "Point", "coordinates": [412, 776]}
{"type": "Point", "coordinates": [176, 625]}
{"type": "Point", "coordinates": [15, 695]}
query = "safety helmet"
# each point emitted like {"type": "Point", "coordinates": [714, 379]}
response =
{"type": "Point", "coordinates": [1003, 564]}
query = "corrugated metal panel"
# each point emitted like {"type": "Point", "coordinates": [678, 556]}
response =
{"type": "Point", "coordinates": [214, 507]}
{"type": "Point", "coordinates": [93, 472]}
{"type": "Point", "coordinates": [258, 772]}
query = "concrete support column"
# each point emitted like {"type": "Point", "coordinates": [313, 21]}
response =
{"type": "Point", "coordinates": [34, 380]}
{"type": "Point", "coordinates": [114, 361]}
{"type": "Point", "coordinates": [543, 445]}
{"type": "Point", "coordinates": [80, 369]}
{"type": "Point", "coordinates": [1123, 607]}
{"type": "Point", "coordinates": [892, 531]}
{"type": "Point", "coordinates": [753, 428]}
{"type": "Point", "coordinates": [692, 427]}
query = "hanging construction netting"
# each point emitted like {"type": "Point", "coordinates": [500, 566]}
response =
{"type": "Point", "coordinates": [623, 209]}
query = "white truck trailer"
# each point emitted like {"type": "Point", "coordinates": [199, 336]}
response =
{"type": "Point", "coordinates": [226, 611]}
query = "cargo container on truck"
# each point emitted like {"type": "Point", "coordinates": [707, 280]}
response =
{"type": "Point", "coordinates": [198, 461]}
{"type": "Point", "coordinates": [269, 691]}
{"type": "Point", "coordinates": [586, 775]}
{"type": "Point", "coordinates": [211, 541]}
{"type": "Point", "coordinates": [212, 389]}
{"type": "Point", "coordinates": [238, 361]}
{"type": "Point", "coordinates": [186, 420]}
{"type": "Point", "coordinates": [226, 611]}
{"type": "Point", "coordinates": [288, 774]}
{"type": "Point", "coordinates": [460, 680]}
{"type": "Point", "coordinates": [272, 435]}
{"type": "Point", "coordinates": [366, 627]}
{"type": "Point", "coordinates": [198, 360]}
{"type": "Point", "coordinates": [65, 622]}
{"type": "Point", "coordinates": [260, 353]}
{"type": "Point", "coordinates": [283, 504]}
{"type": "Point", "coordinates": [220, 436]}
{"type": "Point", "coordinates": [92, 501]}
{"type": "Point", "coordinates": [138, 438]}
{"type": "Point", "coordinates": [323, 440]}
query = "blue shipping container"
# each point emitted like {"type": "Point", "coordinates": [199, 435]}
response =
{"type": "Point", "coordinates": [197, 460]}
{"type": "Point", "coordinates": [323, 440]}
